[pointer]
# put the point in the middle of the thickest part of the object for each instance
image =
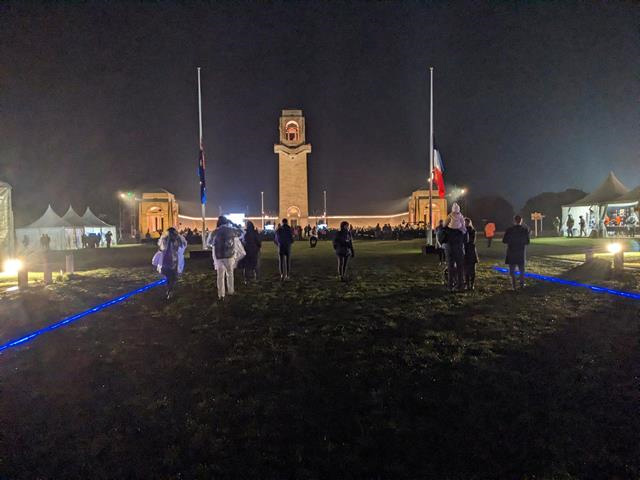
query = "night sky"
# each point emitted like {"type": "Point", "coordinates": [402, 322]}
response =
{"type": "Point", "coordinates": [530, 97]}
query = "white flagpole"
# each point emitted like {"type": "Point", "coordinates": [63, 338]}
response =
{"type": "Point", "coordinates": [430, 229]}
{"type": "Point", "coordinates": [262, 208]}
{"type": "Point", "coordinates": [204, 240]}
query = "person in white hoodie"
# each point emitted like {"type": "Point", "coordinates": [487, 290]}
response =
{"type": "Point", "coordinates": [172, 246]}
{"type": "Point", "coordinates": [223, 243]}
{"type": "Point", "coordinates": [455, 220]}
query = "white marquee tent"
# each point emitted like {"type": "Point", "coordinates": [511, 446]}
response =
{"type": "Point", "coordinates": [61, 232]}
{"type": "Point", "coordinates": [95, 225]}
{"type": "Point", "coordinates": [79, 225]}
{"type": "Point", "coordinates": [593, 206]}
{"type": "Point", "coordinates": [7, 235]}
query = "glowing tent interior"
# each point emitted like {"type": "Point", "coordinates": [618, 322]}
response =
{"type": "Point", "coordinates": [596, 208]}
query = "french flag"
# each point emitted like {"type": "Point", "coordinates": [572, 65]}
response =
{"type": "Point", "coordinates": [438, 170]}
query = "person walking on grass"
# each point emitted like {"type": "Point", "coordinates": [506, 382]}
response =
{"type": "Point", "coordinates": [452, 240]}
{"type": "Point", "coordinates": [222, 242]}
{"type": "Point", "coordinates": [583, 226]}
{"type": "Point", "coordinates": [570, 223]}
{"type": "Point", "coordinates": [489, 232]}
{"type": "Point", "coordinates": [439, 247]}
{"type": "Point", "coordinates": [343, 246]}
{"type": "Point", "coordinates": [107, 237]}
{"type": "Point", "coordinates": [172, 245]}
{"type": "Point", "coordinates": [252, 245]}
{"type": "Point", "coordinates": [517, 238]}
{"type": "Point", "coordinates": [470, 255]}
{"type": "Point", "coordinates": [284, 240]}
{"type": "Point", "coordinates": [557, 224]}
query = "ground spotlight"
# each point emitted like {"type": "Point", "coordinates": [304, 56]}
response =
{"type": "Point", "coordinates": [12, 266]}
{"type": "Point", "coordinates": [614, 248]}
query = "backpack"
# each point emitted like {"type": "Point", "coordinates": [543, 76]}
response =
{"type": "Point", "coordinates": [223, 244]}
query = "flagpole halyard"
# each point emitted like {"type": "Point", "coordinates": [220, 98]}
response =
{"type": "Point", "coordinates": [202, 166]}
{"type": "Point", "coordinates": [430, 222]}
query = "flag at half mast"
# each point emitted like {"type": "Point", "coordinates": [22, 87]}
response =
{"type": "Point", "coordinates": [438, 170]}
{"type": "Point", "coordinates": [201, 175]}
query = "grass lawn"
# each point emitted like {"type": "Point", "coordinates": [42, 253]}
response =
{"type": "Point", "coordinates": [386, 376]}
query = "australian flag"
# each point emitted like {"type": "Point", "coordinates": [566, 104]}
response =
{"type": "Point", "coordinates": [203, 183]}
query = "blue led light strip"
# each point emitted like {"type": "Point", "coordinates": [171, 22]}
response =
{"type": "Point", "coordinates": [66, 321]}
{"type": "Point", "coordinates": [570, 283]}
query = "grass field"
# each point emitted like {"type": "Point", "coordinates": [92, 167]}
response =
{"type": "Point", "coordinates": [386, 376]}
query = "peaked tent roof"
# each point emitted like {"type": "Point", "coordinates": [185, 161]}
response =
{"type": "Point", "coordinates": [609, 190]}
{"type": "Point", "coordinates": [92, 221]}
{"type": "Point", "coordinates": [49, 219]}
{"type": "Point", "coordinates": [630, 196]}
{"type": "Point", "coordinates": [4, 184]}
{"type": "Point", "coordinates": [74, 219]}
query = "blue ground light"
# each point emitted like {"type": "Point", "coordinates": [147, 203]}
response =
{"type": "Point", "coordinates": [66, 321]}
{"type": "Point", "coordinates": [570, 283]}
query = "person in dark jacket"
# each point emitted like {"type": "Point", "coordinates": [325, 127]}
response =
{"type": "Point", "coordinates": [470, 255]}
{"type": "Point", "coordinates": [452, 240]}
{"type": "Point", "coordinates": [439, 247]}
{"type": "Point", "coordinates": [252, 245]}
{"type": "Point", "coordinates": [583, 226]}
{"type": "Point", "coordinates": [343, 246]}
{"type": "Point", "coordinates": [570, 223]}
{"type": "Point", "coordinates": [517, 238]}
{"type": "Point", "coordinates": [284, 240]}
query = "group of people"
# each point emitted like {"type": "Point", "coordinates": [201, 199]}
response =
{"type": "Point", "coordinates": [45, 241]}
{"type": "Point", "coordinates": [621, 222]}
{"type": "Point", "coordinates": [93, 240]}
{"type": "Point", "coordinates": [456, 244]}
{"type": "Point", "coordinates": [234, 248]}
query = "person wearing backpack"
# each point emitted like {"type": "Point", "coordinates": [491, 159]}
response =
{"type": "Point", "coordinates": [284, 240]}
{"type": "Point", "coordinates": [222, 243]}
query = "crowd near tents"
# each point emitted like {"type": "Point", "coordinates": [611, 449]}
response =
{"type": "Point", "coordinates": [63, 233]}
{"type": "Point", "coordinates": [610, 210]}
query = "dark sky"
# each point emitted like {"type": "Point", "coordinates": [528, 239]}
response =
{"type": "Point", "coordinates": [530, 97]}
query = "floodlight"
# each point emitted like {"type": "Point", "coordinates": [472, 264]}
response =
{"type": "Point", "coordinates": [614, 248]}
{"type": "Point", "coordinates": [236, 218]}
{"type": "Point", "coordinates": [12, 266]}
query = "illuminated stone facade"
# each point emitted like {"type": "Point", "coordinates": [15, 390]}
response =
{"type": "Point", "coordinates": [419, 207]}
{"type": "Point", "coordinates": [157, 212]}
{"type": "Point", "coordinates": [292, 151]}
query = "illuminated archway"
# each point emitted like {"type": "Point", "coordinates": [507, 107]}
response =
{"type": "Point", "coordinates": [292, 131]}
{"type": "Point", "coordinates": [436, 214]}
{"type": "Point", "coordinates": [155, 219]}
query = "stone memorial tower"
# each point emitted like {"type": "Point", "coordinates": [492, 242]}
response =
{"type": "Point", "coordinates": [292, 160]}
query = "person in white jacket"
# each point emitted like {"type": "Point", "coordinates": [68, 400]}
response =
{"type": "Point", "coordinates": [224, 242]}
{"type": "Point", "coordinates": [172, 245]}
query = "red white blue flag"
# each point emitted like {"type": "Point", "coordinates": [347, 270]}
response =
{"type": "Point", "coordinates": [438, 170]}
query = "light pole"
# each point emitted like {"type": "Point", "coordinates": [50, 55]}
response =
{"type": "Point", "coordinates": [324, 215]}
{"type": "Point", "coordinates": [262, 208]}
{"type": "Point", "coordinates": [120, 200]}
